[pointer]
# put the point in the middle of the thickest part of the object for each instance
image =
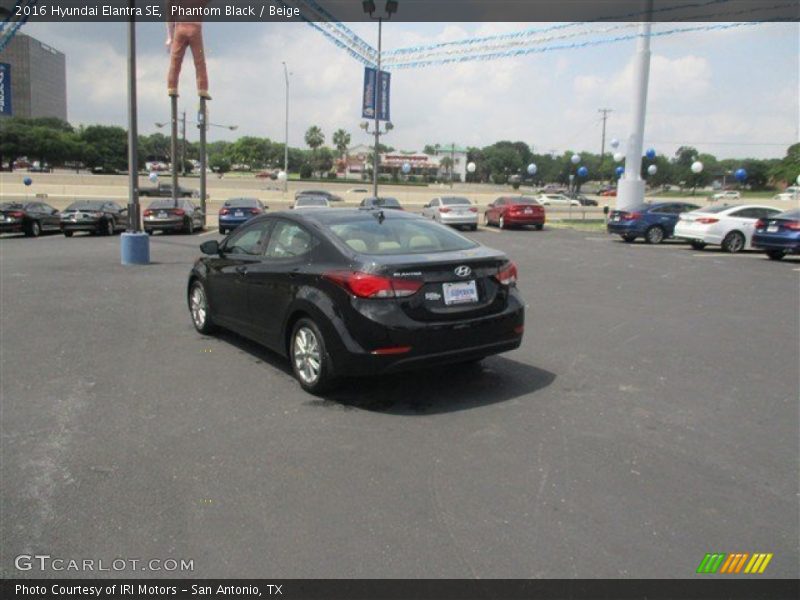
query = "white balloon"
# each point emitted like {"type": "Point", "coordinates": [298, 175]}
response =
{"type": "Point", "coordinates": [575, 159]}
{"type": "Point", "coordinates": [615, 143]}
{"type": "Point", "coordinates": [697, 167]}
{"type": "Point", "coordinates": [652, 169]}
{"type": "Point", "coordinates": [471, 167]}
{"type": "Point", "coordinates": [798, 180]}
{"type": "Point", "coordinates": [532, 168]}
{"type": "Point", "coordinates": [153, 176]}
{"type": "Point", "coordinates": [281, 175]}
{"type": "Point", "coordinates": [618, 157]}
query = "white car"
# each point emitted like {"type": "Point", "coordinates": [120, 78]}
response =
{"type": "Point", "coordinates": [311, 202]}
{"type": "Point", "coordinates": [556, 200]}
{"type": "Point", "coordinates": [452, 210]}
{"type": "Point", "coordinates": [728, 226]}
{"type": "Point", "coordinates": [729, 195]}
{"type": "Point", "coordinates": [790, 194]}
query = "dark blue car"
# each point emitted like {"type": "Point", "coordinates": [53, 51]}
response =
{"type": "Point", "coordinates": [778, 235]}
{"type": "Point", "coordinates": [653, 222]}
{"type": "Point", "coordinates": [237, 211]}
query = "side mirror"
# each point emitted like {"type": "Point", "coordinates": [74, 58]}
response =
{"type": "Point", "coordinates": [211, 247]}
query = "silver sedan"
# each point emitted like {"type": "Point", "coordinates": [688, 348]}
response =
{"type": "Point", "coordinates": [452, 210]}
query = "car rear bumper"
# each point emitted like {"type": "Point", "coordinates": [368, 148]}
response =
{"type": "Point", "coordinates": [765, 241]}
{"type": "Point", "coordinates": [162, 224]}
{"type": "Point", "coordinates": [470, 219]}
{"type": "Point", "coordinates": [80, 226]}
{"type": "Point", "coordinates": [428, 343]}
{"type": "Point", "coordinates": [233, 222]}
{"type": "Point", "coordinates": [512, 219]}
{"type": "Point", "coordinates": [625, 228]}
{"type": "Point", "coordinates": [11, 227]}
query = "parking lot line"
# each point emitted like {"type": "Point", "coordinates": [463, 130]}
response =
{"type": "Point", "coordinates": [209, 232]}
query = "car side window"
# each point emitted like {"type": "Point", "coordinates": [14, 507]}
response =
{"type": "Point", "coordinates": [434, 203]}
{"type": "Point", "coordinates": [499, 202]}
{"type": "Point", "coordinates": [289, 240]}
{"type": "Point", "coordinates": [666, 209]}
{"type": "Point", "coordinates": [250, 241]}
{"type": "Point", "coordinates": [744, 213]}
{"type": "Point", "coordinates": [688, 208]}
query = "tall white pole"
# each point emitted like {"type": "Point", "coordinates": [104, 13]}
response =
{"type": "Point", "coordinates": [630, 193]}
{"type": "Point", "coordinates": [286, 133]}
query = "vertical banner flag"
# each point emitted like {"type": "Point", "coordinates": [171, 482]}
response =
{"type": "Point", "coordinates": [5, 89]}
{"type": "Point", "coordinates": [384, 87]}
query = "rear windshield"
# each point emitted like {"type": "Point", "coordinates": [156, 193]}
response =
{"type": "Point", "coordinates": [164, 204]}
{"type": "Point", "coordinates": [86, 205]}
{"type": "Point", "coordinates": [10, 205]}
{"type": "Point", "coordinates": [311, 201]}
{"type": "Point", "coordinates": [383, 201]}
{"type": "Point", "coordinates": [793, 215]}
{"type": "Point", "coordinates": [456, 201]}
{"type": "Point", "coordinates": [243, 202]}
{"type": "Point", "coordinates": [524, 200]}
{"type": "Point", "coordinates": [401, 236]}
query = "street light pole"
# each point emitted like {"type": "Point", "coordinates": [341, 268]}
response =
{"type": "Point", "coordinates": [286, 133]}
{"type": "Point", "coordinates": [183, 143]}
{"type": "Point", "coordinates": [631, 187]}
{"type": "Point", "coordinates": [377, 159]}
{"type": "Point", "coordinates": [174, 148]}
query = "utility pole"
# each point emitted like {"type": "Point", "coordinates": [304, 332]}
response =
{"type": "Point", "coordinates": [286, 133]}
{"type": "Point", "coordinates": [605, 112]}
{"type": "Point", "coordinates": [183, 143]}
{"type": "Point", "coordinates": [173, 151]}
{"type": "Point", "coordinates": [452, 162]}
{"type": "Point", "coordinates": [631, 187]}
{"type": "Point", "coordinates": [377, 159]}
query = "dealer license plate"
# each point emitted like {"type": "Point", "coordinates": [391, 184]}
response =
{"type": "Point", "coordinates": [773, 228]}
{"type": "Point", "coordinates": [460, 293]}
{"type": "Point", "coordinates": [238, 213]}
{"type": "Point", "coordinates": [162, 215]}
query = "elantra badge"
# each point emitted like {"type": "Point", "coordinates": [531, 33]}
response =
{"type": "Point", "coordinates": [463, 271]}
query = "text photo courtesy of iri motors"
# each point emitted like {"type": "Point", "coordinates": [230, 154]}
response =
{"type": "Point", "coordinates": [400, 299]}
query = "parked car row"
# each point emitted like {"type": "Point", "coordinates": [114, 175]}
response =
{"type": "Point", "coordinates": [732, 227]}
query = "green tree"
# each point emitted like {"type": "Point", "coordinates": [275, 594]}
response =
{"type": "Point", "coordinates": [341, 139]}
{"type": "Point", "coordinates": [105, 147]}
{"type": "Point", "coordinates": [787, 170]}
{"type": "Point", "coordinates": [314, 137]}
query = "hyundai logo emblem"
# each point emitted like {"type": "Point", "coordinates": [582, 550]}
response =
{"type": "Point", "coordinates": [463, 271]}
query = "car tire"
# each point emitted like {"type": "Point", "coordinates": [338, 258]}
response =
{"type": "Point", "coordinates": [486, 219]}
{"type": "Point", "coordinates": [539, 226]}
{"type": "Point", "coordinates": [189, 227]}
{"type": "Point", "coordinates": [34, 229]}
{"type": "Point", "coordinates": [107, 227]}
{"type": "Point", "coordinates": [698, 245]}
{"type": "Point", "coordinates": [306, 347]}
{"type": "Point", "coordinates": [654, 235]}
{"type": "Point", "coordinates": [501, 222]}
{"type": "Point", "coordinates": [222, 231]}
{"type": "Point", "coordinates": [68, 233]}
{"type": "Point", "coordinates": [776, 254]}
{"type": "Point", "coordinates": [734, 242]}
{"type": "Point", "coordinates": [148, 231]}
{"type": "Point", "coordinates": [628, 239]}
{"type": "Point", "coordinates": [200, 310]}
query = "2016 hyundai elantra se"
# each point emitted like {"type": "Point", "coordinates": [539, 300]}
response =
{"type": "Point", "coordinates": [345, 292]}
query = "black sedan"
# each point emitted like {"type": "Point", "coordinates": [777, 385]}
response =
{"type": "Point", "coordinates": [345, 292]}
{"type": "Point", "coordinates": [103, 217]}
{"type": "Point", "coordinates": [30, 218]}
{"type": "Point", "coordinates": [382, 202]}
{"type": "Point", "coordinates": [164, 215]}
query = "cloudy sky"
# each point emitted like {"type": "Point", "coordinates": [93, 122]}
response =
{"type": "Point", "coordinates": [733, 93]}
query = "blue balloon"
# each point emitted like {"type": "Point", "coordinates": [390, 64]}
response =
{"type": "Point", "coordinates": [651, 153]}
{"type": "Point", "coordinates": [406, 168]}
{"type": "Point", "coordinates": [27, 181]}
{"type": "Point", "coordinates": [741, 175]}
{"type": "Point", "coordinates": [619, 171]}
{"type": "Point", "coordinates": [583, 172]}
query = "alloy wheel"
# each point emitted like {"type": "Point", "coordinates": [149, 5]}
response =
{"type": "Point", "coordinates": [198, 306]}
{"type": "Point", "coordinates": [306, 355]}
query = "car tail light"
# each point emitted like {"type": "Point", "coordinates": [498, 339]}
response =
{"type": "Point", "coordinates": [444, 209]}
{"type": "Point", "coordinates": [761, 224]}
{"type": "Point", "coordinates": [224, 211]}
{"type": "Point", "coordinates": [507, 275]}
{"type": "Point", "coordinates": [473, 209]}
{"type": "Point", "coordinates": [16, 214]}
{"type": "Point", "coordinates": [792, 225]}
{"type": "Point", "coordinates": [365, 285]}
{"type": "Point", "coordinates": [706, 220]}
{"type": "Point", "coordinates": [148, 213]}
{"type": "Point", "coordinates": [630, 216]}
{"type": "Point", "coordinates": [179, 211]}
{"type": "Point", "coordinates": [519, 329]}
{"type": "Point", "coordinates": [255, 211]}
{"type": "Point", "coordinates": [391, 350]}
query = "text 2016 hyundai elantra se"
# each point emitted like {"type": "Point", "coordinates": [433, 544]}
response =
{"type": "Point", "coordinates": [353, 292]}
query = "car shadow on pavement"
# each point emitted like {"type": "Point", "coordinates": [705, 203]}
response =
{"type": "Point", "coordinates": [443, 389]}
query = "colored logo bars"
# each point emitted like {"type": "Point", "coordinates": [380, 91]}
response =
{"type": "Point", "coordinates": [734, 563]}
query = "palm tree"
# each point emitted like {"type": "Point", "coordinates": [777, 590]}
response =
{"type": "Point", "coordinates": [341, 139]}
{"type": "Point", "coordinates": [314, 137]}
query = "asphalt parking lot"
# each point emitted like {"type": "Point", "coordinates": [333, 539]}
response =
{"type": "Point", "coordinates": [649, 417]}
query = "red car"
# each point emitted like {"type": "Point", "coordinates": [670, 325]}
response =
{"type": "Point", "coordinates": [508, 211]}
{"type": "Point", "coordinates": [609, 193]}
